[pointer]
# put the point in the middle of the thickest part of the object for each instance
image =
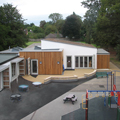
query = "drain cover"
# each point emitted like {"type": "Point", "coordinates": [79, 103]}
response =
{"type": "Point", "coordinates": [101, 86]}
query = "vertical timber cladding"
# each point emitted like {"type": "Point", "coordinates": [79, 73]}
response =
{"type": "Point", "coordinates": [49, 61]}
{"type": "Point", "coordinates": [103, 61]}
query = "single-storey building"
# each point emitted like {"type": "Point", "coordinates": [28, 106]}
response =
{"type": "Point", "coordinates": [11, 66]}
{"type": "Point", "coordinates": [49, 59]}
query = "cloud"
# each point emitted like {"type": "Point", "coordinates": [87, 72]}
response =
{"type": "Point", "coordinates": [41, 9]}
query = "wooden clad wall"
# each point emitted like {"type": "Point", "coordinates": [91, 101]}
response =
{"type": "Point", "coordinates": [49, 61]}
{"type": "Point", "coordinates": [103, 61]}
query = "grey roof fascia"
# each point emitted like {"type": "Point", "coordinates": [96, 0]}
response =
{"type": "Point", "coordinates": [3, 67]}
{"type": "Point", "coordinates": [16, 60]}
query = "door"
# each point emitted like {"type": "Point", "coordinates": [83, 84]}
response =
{"type": "Point", "coordinates": [1, 81]}
{"type": "Point", "coordinates": [34, 67]}
{"type": "Point", "coordinates": [69, 62]}
{"type": "Point", "coordinates": [28, 66]}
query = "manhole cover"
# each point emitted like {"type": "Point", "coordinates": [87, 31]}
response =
{"type": "Point", "coordinates": [101, 86]}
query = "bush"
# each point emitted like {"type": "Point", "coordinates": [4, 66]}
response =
{"type": "Point", "coordinates": [117, 48]}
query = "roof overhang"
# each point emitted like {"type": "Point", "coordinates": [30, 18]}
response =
{"type": "Point", "coordinates": [17, 60]}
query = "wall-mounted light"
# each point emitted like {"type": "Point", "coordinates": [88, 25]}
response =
{"type": "Point", "coordinates": [40, 62]}
{"type": "Point", "coordinates": [58, 62]}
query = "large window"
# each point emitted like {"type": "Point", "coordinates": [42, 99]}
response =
{"type": "Point", "coordinates": [13, 69]}
{"type": "Point", "coordinates": [83, 61]}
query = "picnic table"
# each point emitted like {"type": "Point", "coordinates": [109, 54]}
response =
{"type": "Point", "coordinates": [70, 97]}
{"type": "Point", "coordinates": [15, 97]}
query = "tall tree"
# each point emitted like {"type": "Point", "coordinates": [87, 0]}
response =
{"type": "Point", "coordinates": [54, 17]}
{"type": "Point", "coordinates": [91, 15]}
{"type": "Point", "coordinates": [11, 27]}
{"type": "Point", "coordinates": [59, 25]}
{"type": "Point", "coordinates": [71, 27]}
{"type": "Point", "coordinates": [42, 23]}
{"type": "Point", "coordinates": [108, 25]}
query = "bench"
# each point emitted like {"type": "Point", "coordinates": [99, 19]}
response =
{"type": "Point", "coordinates": [101, 74]}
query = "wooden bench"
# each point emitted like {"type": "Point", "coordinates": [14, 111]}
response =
{"type": "Point", "coordinates": [101, 74]}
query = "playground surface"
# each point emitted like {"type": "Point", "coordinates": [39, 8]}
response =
{"type": "Point", "coordinates": [57, 110]}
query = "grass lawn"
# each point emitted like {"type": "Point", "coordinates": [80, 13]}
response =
{"type": "Point", "coordinates": [114, 60]}
{"type": "Point", "coordinates": [29, 43]}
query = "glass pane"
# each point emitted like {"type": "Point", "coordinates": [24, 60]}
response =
{"type": "Point", "coordinates": [81, 61]}
{"type": "Point", "coordinates": [68, 61]}
{"type": "Point", "coordinates": [85, 61]}
{"type": "Point", "coordinates": [76, 61]}
{"type": "Point", "coordinates": [90, 61]}
{"type": "Point", "coordinates": [34, 66]}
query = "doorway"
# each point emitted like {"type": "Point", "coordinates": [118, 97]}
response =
{"type": "Point", "coordinates": [34, 67]}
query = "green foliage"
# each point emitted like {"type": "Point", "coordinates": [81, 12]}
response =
{"type": "Point", "coordinates": [55, 17]}
{"type": "Point", "coordinates": [42, 23]}
{"type": "Point", "coordinates": [50, 29]}
{"type": "Point", "coordinates": [11, 27]}
{"type": "Point", "coordinates": [90, 17]}
{"type": "Point", "coordinates": [117, 48]}
{"type": "Point", "coordinates": [72, 26]}
{"type": "Point", "coordinates": [59, 25]}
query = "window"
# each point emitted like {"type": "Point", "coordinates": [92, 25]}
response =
{"type": "Point", "coordinates": [76, 62]}
{"type": "Point", "coordinates": [90, 61]}
{"type": "Point", "coordinates": [83, 61]}
{"type": "Point", "coordinates": [13, 69]}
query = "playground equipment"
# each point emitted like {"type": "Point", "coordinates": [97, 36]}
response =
{"type": "Point", "coordinates": [113, 96]}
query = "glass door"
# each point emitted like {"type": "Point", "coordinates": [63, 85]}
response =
{"type": "Point", "coordinates": [34, 66]}
{"type": "Point", "coordinates": [69, 62]}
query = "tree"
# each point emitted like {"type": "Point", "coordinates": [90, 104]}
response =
{"type": "Point", "coordinates": [42, 23]}
{"type": "Point", "coordinates": [32, 24]}
{"type": "Point", "coordinates": [90, 16]}
{"type": "Point", "coordinates": [55, 17]}
{"type": "Point", "coordinates": [108, 25]}
{"type": "Point", "coordinates": [50, 29]}
{"type": "Point", "coordinates": [59, 25]}
{"type": "Point", "coordinates": [11, 27]}
{"type": "Point", "coordinates": [71, 27]}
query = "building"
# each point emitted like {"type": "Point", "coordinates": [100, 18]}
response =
{"type": "Point", "coordinates": [49, 59]}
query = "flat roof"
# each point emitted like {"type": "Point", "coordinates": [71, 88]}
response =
{"type": "Point", "coordinates": [69, 42]}
{"type": "Point", "coordinates": [102, 51]}
{"type": "Point", "coordinates": [16, 60]}
{"type": "Point", "coordinates": [6, 57]}
{"type": "Point", "coordinates": [41, 50]}
{"type": "Point", "coordinates": [3, 67]}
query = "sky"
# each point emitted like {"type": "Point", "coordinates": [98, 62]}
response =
{"type": "Point", "coordinates": [36, 10]}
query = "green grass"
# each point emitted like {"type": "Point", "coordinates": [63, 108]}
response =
{"type": "Point", "coordinates": [29, 43]}
{"type": "Point", "coordinates": [114, 60]}
{"type": "Point", "coordinates": [96, 46]}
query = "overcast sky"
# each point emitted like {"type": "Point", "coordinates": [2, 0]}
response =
{"type": "Point", "coordinates": [37, 10]}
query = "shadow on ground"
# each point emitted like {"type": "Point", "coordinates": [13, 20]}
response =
{"type": "Point", "coordinates": [35, 98]}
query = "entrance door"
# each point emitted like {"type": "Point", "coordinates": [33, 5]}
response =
{"type": "Point", "coordinates": [69, 62]}
{"type": "Point", "coordinates": [34, 67]}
